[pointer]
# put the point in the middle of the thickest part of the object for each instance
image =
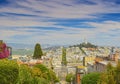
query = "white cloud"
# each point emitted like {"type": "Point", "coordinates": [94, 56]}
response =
{"type": "Point", "coordinates": [56, 9]}
{"type": "Point", "coordinates": [23, 23]}
{"type": "Point", "coordinates": [105, 26]}
{"type": "Point", "coordinates": [68, 35]}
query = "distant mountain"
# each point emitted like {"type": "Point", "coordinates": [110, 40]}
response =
{"type": "Point", "coordinates": [28, 49]}
{"type": "Point", "coordinates": [28, 46]}
{"type": "Point", "coordinates": [21, 46]}
{"type": "Point", "coordinates": [52, 48]}
{"type": "Point", "coordinates": [22, 51]}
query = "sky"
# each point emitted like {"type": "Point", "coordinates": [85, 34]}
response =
{"type": "Point", "coordinates": [60, 22]}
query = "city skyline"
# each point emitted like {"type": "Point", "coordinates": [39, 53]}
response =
{"type": "Point", "coordinates": [60, 22]}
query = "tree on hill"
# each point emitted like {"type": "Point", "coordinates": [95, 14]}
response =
{"type": "Point", "coordinates": [37, 51]}
{"type": "Point", "coordinates": [64, 61]}
{"type": "Point", "coordinates": [86, 45]}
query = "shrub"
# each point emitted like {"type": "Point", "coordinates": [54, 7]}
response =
{"type": "Point", "coordinates": [9, 71]}
{"type": "Point", "coordinates": [25, 75]}
{"type": "Point", "coordinates": [45, 73]}
{"type": "Point", "coordinates": [69, 77]}
{"type": "Point", "coordinates": [91, 78]}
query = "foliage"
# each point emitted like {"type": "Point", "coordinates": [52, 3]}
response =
{"type": "Point", "coordinates": [8, 72]}
{"type": "Point", "coordinates": [40, 71]}
{"type": "Point", "coordinates": [37, 51]}
{"type": "Point", "coordinates": [4, 51]}
{"type": "Point", "coordinates": [117, 73]}
{"type": "Point", "coordinates": [45, 73]}
{"type": "Point", "coordinates": [110, 68]}
{"type": "Point", "coordinates": [103, 79]}
{"type": "Point", "coordinates": [25, 76]}
{"type": "Point", "coordinates": [42, 67]}
{"type": "Point", "coordinates": [111, 79]}
{"type": "Point", "coordinates": [91, 78]}
{"type": "Point", "coordinates": [106, 79]}
{"type": "Point", "coordinates": [69, 77]}
{"type": "Point", "coordinates": [11, 73]}
{"type": "Point", "coordinates": [53, 77]}
{"type": "Point", "coordinates": [86, 45]}
{"type": "Point", "coordinates": [64, 61]}
{"type": "Point", "coordinates": [30, 76]}
{"type": "Point", "coordinates": [108, 76]}
{"type": "Point", "coordinates": [36, 72]}
{"type": "Point", "coordinates": [37, 80]}
{"type": "Point", "coordinates": [111, 76]}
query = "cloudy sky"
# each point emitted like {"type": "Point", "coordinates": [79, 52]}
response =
{"type": "Point", "coordinates": [60, 21]}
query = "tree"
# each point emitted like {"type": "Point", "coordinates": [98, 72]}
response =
{"type": "Point", "coordinates": [43, 72]}
{"type": "Point", "coordinates": [4, 51]}
{"type": "Point", "coordinates": [108, 76]}
{"type": "Point", "coordinates": [111, 79]}
{"type": "Point", "coordinates": [9, 71]}
{"type": "Point", "coordinates": [117, 73]}
{"type": "Point", "coordinates": [64, 61]}
{"type": "Point", "coordinates": [86, 45]}
{"type": "Point", "coordinates": [109, 68]}
{"type": "Point", "coordinates": [106, 79]}
{"type": "Point", "coordinates": [32, 75]}
{"type": "Point", "coordinates": [69, 77]}
{"type": "Point", "coordinates": [91, 78]}
{"type": "Point", "coordinates": [37, 51]}
{"type": "Point", "coordinates": [25, 75]}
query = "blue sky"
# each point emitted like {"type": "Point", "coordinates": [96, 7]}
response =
{"type": "Point", "coordinates": [63, 22]}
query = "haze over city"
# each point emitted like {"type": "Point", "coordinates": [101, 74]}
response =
{"type": "Point", "coordinates": [62, 22]}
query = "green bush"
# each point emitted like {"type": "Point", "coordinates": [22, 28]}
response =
{"type": "Point", "coordinates": [37, 80]}
{"type": "Point", "coordinates": [30, 76]}
{"type": "Point", "coordinates": [91, 78]}
{"type": "Point", "coordinates": [25, 75]}
{"type": "Point", "coordinates": [47, 73]}
{"type": "Point", "coordinates": [9, 71]}
{"type": "Point", "coordinates": [69, 77]}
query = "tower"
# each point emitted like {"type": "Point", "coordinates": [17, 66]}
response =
{"type": "Point", "coordinates": [85, 41]}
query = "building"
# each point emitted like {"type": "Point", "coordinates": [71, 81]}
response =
{"type": "Point", "coordinates": [87, 59]}
{"type": "Point", "coordinates": [99, 66]}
